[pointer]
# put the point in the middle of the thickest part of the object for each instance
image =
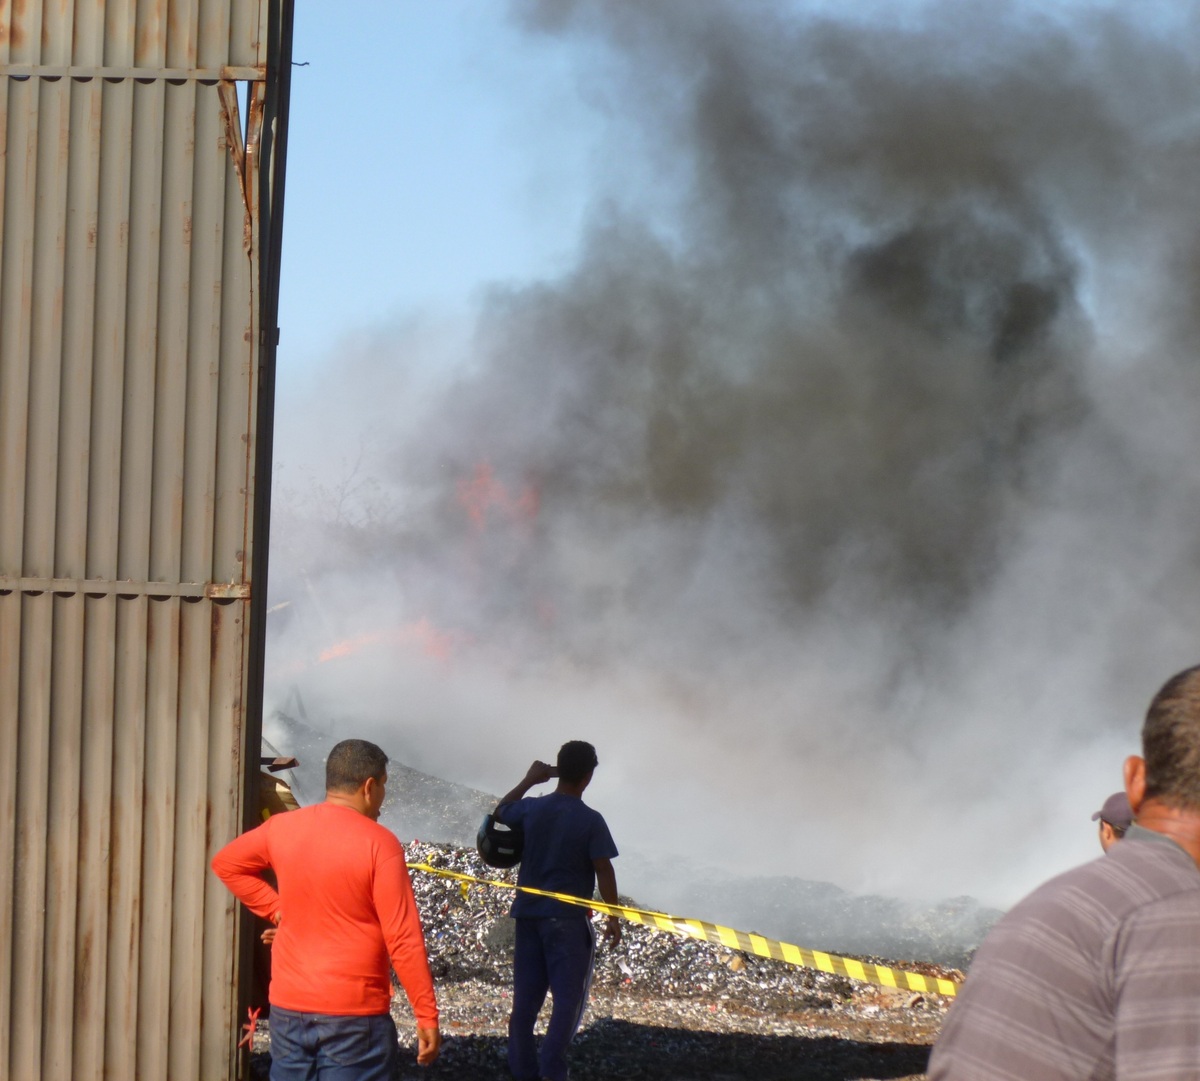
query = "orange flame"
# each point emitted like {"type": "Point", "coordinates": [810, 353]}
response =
{"type": "Point", "coordinates": [423, 635]}
{"type": "Point", "coordinates": [482, 492]}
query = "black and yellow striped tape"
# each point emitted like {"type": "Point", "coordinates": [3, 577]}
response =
{"type": "Point", "coordinates": [862, 971]}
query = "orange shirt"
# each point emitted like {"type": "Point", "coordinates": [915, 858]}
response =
{"type": "Point", "coordinates": [347, 908]}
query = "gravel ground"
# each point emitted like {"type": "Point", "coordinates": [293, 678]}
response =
{"type": "Point", "coordinates": [661, 1007]}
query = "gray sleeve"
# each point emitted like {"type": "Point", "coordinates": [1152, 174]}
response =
{"type": "Point", "coordinates": [1156, 985]}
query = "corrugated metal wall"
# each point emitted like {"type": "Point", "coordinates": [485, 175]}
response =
{"type": "Point", "coordinates": [130, 349]}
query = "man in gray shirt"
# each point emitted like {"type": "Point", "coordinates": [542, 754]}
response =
{"type": "Point", "coordinates": [1096, 974]}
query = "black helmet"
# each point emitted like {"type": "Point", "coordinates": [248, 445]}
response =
{"type": "Point", "coordinates": [498, 844]}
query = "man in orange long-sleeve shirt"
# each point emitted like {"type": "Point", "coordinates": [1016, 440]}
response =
{"type": "Point", "coordinates": [344, 909]}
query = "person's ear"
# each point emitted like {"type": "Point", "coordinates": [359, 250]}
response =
{"type": "Point", "coordinates": [1135, 782]}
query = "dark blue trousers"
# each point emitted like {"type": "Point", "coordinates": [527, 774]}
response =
{"type": "Point", "coordinates": [323, 1047]}
{"type": "Point", "coordinates": [552, 955]}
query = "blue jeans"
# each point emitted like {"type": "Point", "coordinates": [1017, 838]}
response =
{"type": "Point", "coordinates": [329, 1047]}
{"type": "Point", "coordinates": [554, 955]}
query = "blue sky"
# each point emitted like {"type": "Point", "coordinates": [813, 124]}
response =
{"type": "Point", "coordinates": [433, 147]}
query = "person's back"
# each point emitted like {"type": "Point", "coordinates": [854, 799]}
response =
{"type": "Point", "coordinates": [567, 850]}
{"type": "Point", "coordinates": [1039, 1000]}
{"type": "Point", "coordinates": [343, 907]}
{"type": "Point", "coordinates": [1096, 975]}
{"type": "Point", "coordinates": [559, 841]}
{"type": "Point", "coordinates": [330, 954]}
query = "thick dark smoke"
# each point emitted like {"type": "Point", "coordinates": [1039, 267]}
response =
{"type": "Point", "coordinates": [844, 492]}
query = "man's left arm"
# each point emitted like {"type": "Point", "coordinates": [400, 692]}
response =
{"type": "Point", "coordinates": [606, 886]}
{"type": "Point", "coordinates": [405, 939]}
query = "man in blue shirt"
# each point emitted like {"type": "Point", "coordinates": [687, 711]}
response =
{"type": "Point", "coordinates": [568, 849]}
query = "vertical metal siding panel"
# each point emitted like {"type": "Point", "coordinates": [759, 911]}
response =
{"type": "Point", "coordinates": [108, 361]}
{"type": "Point", "coordinates": [6, 20]}
{"type": "Point", "coordinates": [78, 346]}
{"type": "Point", "coordinates": [191, 864]}
{"type": "Point", "coordinates": [220, 726]}
{"type": "Point", "coordinates": [12, 382]}
{"type": "Point", "coordinates": [87, 1001]}
{"type": "Point", "coordinates": [110, 860]}
{"type": "Point", "coordinates": [10, 657]}
{"type": "Point", "coordinates": [235, 450]}
{"type": "Point", "coordinates": [120, 32]}
{"type": "Point", "coordinates": [128, 810]}
{"type": "Point", "coordinates": [170, 401]}
{"type": "Point", "coordinates": [56, 32]}
{"type": "Point", "coordinates": [62, 835]}
{"type": "Point", "coordinates": [237, 345]}
{"type": "Point", "coordinates": [234, 498]}
{"type": "Point", "coordinates": [207, 987]}
{"type": "Point", "coordinates": [247, 33]}
{"type": "Point", "coordinates": [87, 36]}
{"type": "Point", "coordinates": [191, 813]}
{"type": "Point", "coordinates": [6, 159]}
{"type": "Point", "coordinates": [82, 348]}
{"type": "Point", "coordinates": [158, 829]}
{"type": "Point", "coordinates": [212, 38]}
{"type": "Point", "coordinates": [12, 394]}
{"type": "Point", "coordinates": [46, 317]}
{"type": "Point", "coordinates": [204, 340]}
{"type": "Point", "coordinates": [16, 274]}
{"type": "Point", "coordinates": [150, 41]}
{"type": "Point", "coordinates": [106, 533]}
{"type": "Point", "coordinates": [29, 866]}
{"type": "Point", "coordinates": [141, 332]}
{"type": "Point", "coordinates": [226, 740]}
{"type": "Point", "coordinates": [95, 837]}
{"type": "Point", "coordinates": [117, 704]}
{"type": "Point", "coordinates": [183, 19]}
{"type": "Point", "coordinates": [26, 33]}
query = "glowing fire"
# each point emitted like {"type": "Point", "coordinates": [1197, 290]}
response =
{"type": "Point", "coordinates": [423, 635]}
{"type": "Point", "coordinates": [487, 502]}
{"type": "Point", "coordinates": [482, 492]}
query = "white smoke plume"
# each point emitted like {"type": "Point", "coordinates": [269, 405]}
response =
{"type": "Point", "coordinates": [844, 493]}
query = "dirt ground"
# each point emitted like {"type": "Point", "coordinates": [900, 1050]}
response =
{"type": "Point", "coordinates": [629, 1036]}
{"type": "Point", "coordinates": [661, 1008]}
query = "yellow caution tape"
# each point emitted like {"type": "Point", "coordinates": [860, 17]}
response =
{"type": "Point", "coordinates": [863, 971]}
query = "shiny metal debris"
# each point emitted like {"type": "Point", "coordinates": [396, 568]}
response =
{"type": "Point", "coordinates": [661, 1006]}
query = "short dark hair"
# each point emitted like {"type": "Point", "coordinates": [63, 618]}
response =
{"type": "Point", "coordinates": [1171, 742]}
{"type": "Point", "coordinates": [351, 762]}
{"type": "Point", "coordinates": [576, 760]}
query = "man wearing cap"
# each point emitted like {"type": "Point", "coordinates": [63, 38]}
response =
{"type": "Point", "coordinates": [1115, 818]}
{"type": "Point", "coordinates": [568, 850]}
{"type": "Point", "coordinates": [1096, 974]}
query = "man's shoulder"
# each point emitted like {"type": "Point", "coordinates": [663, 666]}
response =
{"type": "Point", "coordinates": [1109, 889]}
{"type": "Point", "coordinates": [331, 818]}
{"type": "Point", "coordinates": [589, 814]}
{"type": "Point", "coordinates": [552, 802]}
{"type": "Point", "coordinates": [552, 805]}
{"type": "Point", "coordinates": [375, 832]}
{"type": "Point", "coordinates": [1051, 967]}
